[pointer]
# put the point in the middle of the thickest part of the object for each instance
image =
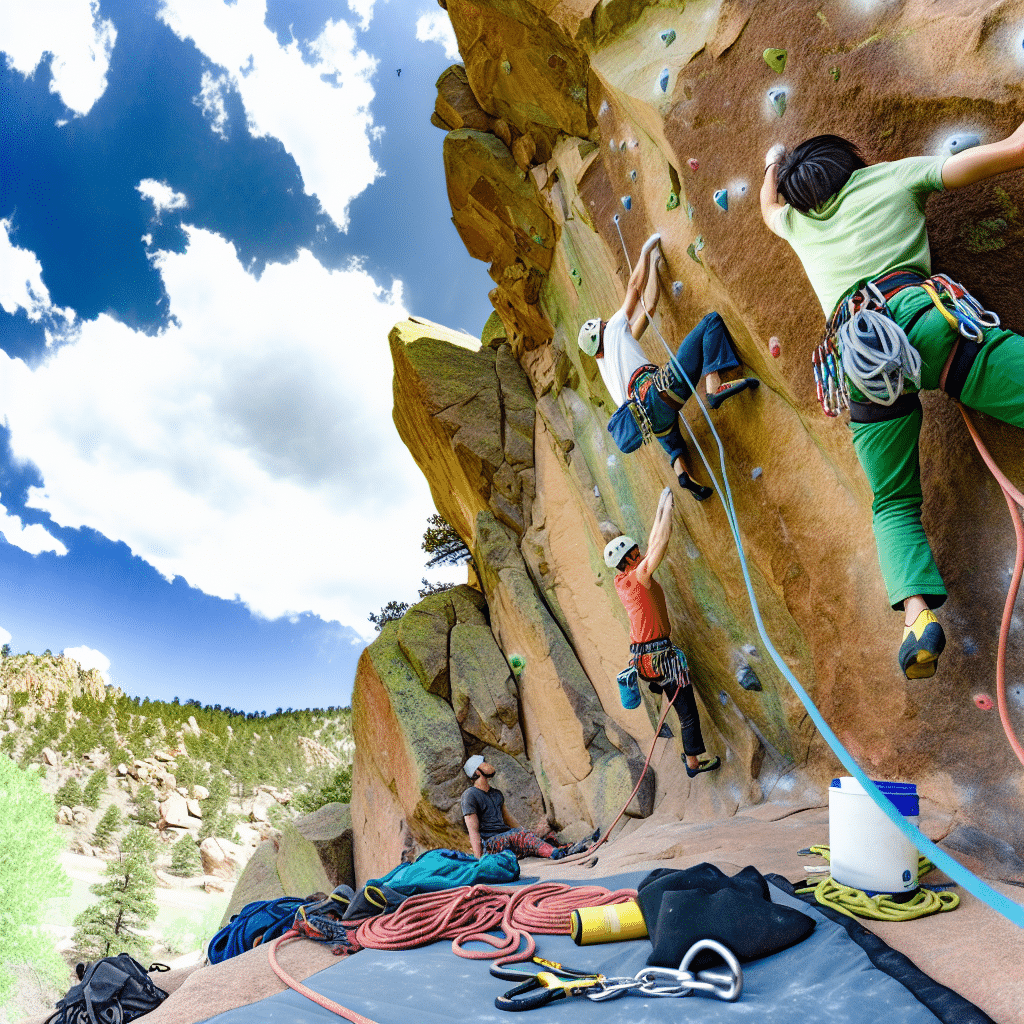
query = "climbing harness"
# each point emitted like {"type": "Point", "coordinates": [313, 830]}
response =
{"type": "Point", "coordinates": [974, 885]}
{"type": "Point", "coordinates": [660, 664]}
{"type": "Point", "coordinates": [650, 982]}
{"type": "Point", "coordinates": [882, 906]}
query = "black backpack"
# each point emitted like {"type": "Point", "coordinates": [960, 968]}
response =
{"type": "Point", "coordinates": [113, 990]}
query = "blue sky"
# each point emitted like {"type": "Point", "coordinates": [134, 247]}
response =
{"type": "Point", "coordinates": [211, 214]}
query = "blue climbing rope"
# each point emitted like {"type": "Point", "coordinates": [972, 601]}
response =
{"type": "Point", "coordinates": [974, 885]}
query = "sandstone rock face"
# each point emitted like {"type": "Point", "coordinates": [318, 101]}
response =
{"type": "Point", "coordinates": [663, 106]}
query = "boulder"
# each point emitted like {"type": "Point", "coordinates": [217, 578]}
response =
{"type": "Point", "coordinates": [258, 807]}
{"type": "Point", "coordinates": [174, 812]}
{"type": "Point", "coordinates": [221, 858]}
{"type": "Point", "coordinates": [200, 792]}
{"type": "Point", "coordinates": [50, 756]}
{"type": "Point", "coordinates": [315, 851]}
{"type": "Point", "coordinates": [194, 809]}
{"type": "Point", "coordinates": [64, 815]}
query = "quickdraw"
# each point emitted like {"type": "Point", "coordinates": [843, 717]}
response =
{"type": "Point", "coordinates": [967, 316]}
{"type": "Point", "coordinates": [725, 983]}
{"type": "Point", "coordinates": [830, 383]}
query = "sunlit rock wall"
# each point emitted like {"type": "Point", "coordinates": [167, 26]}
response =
{"type": "Point", "coordinates": [559, 113]}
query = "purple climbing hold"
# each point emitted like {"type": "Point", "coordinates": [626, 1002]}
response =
{"type": "Point", "coordinates": [722, 198]}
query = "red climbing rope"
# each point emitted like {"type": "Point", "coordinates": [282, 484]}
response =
{"type": "Point", "coordinates": [467, 914]}
{"type": "Point", "coordinates": [305, 990]}
{"type": "Point", "coordinates": [1013, 499]}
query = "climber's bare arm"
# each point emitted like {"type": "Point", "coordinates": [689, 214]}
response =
{"type": "Point", "coordinates": [770, 204]}
{"type": "Point", "coordinates": [661, 533]}
{"type": "Point", "coordinates": [982, 162]}
{"type": "Point", "coordinates": [473, 828]}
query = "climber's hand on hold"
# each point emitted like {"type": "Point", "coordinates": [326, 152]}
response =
{"type": "Point", "coordinates": [774, 155]}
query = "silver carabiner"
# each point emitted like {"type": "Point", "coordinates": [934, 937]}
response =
{"type": "Point", "coordinates": [727, 986]}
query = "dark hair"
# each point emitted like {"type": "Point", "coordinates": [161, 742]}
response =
{"type": "Point", "coordinates": [625, 557]}
{"type": "Point", "coordinates": [816, 170]}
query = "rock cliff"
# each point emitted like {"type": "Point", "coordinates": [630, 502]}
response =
{"type": "Point", "coordinates": [566, 124]}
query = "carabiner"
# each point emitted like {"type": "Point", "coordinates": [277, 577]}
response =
{"type": "Point", "coordinates": [551, 988]}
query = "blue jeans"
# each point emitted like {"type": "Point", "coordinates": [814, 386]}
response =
{"type": "Point", "coordinates": [706, 349]}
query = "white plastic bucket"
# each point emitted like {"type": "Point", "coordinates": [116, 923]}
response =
{"type": "Point", "coordinates": [867, 850]}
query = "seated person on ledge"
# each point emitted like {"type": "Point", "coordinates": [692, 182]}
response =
{"type": "Point", "coordinates": [492, 829]}
{"type": "Point", "coordinates": [705, 352]}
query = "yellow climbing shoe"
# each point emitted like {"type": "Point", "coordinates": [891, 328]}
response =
{"type": "Point", "coordinates": [923, 642]}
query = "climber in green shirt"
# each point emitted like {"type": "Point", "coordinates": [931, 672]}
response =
{"type": "Point", "coordinates": [851, 223]}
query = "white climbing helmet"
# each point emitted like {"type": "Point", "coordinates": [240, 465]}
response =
{"type": "Point", "coordinates": [590, 336]}
{"type": "Point", "coordinates": [877, 356]}
{"type": "Point", "coordinates": [616, 550]}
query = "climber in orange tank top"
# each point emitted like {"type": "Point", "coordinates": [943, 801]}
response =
{"type": "Point", "coordinates": [653, 655]}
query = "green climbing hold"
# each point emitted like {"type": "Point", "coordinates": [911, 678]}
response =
{"type": "Point", "coordinates": [834, 72]}
{"type": "Point", "coordinates": [537, 239]}
{"type": "Point", "coordinates": [517, 663]}
{"type": "Point", "coordinates": [699, 242]}
{"type": "Point", "coordinates": [668, 37]}
{"type": "Point", "coordinates": [506, 67]}
{"type": "Point", "coordinates": [673, 201]}
{"type": "Point", "coordinates": [691, 251]}
{"type": "Point", "coordinates": [775, 59]}
{"type": "Point", "coordinates": [575, 275]}
{"type": "Point", "coordinates": [689, 211]}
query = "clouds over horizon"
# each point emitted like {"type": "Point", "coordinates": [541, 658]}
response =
{"type": "Point", "coordinates": [247, 448]}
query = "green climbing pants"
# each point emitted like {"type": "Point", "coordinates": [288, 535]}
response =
{"type": "Point", "coordinates": [888, 451]}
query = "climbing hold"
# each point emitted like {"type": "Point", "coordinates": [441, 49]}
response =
{"type": "Point", "coordinates": [689, 211]}
{"type": "Point", "coordinates": [668, 37]}
{"type": "Point", "coordinates": [537, 239]}
{"type": "Point", "coordinates": [692, 253]}
{"type": "Point", "coordinates": [506, 67]}
{"type": "Point", "coordinates": [632, 175]}
{"type": "Point", "coordinates": [673, 201]}
{"type": "Point", "coordinates": [633, 144]}
{"type": "Point", "coordinates": [603, 109]}
{"type": "Point", "coordinates": [722, 198]}
{"type": "Point", "coordinates": [622, 146]}
{"type": "Point", "coordinates": [627, 201]}
{"type": "Point", "coordinates": [692, 164]}
{"type": "Point", "coordinates": [777, 98]}
{"type": "Point", "coordinates": [747, 678]}
{"type": "Point", "coordinates": [775, 59]}
{"type": "Point", "coordinates": [611, 144]}
{"type": "Point", "coordinates": [774, 347]}
{"type": "Point", "coordinates": [723, 698]}
{"type": "Point", "coordinates": [663, 80]}
{"type": "Point", "coordinates": [958, 143]}
{"type": "Point", "coordinates": [698, 243]}
{"type": "Point", "coordinates": [677, 289]}
{"type": "Point", "coordinates": [834, 72]}
{"type": "Point", "coordinates": [754, 474]}
{"type": "Point", "coordinates": [517, 663]}
{"type": "Point", "coordinates": [575, 275]}
{"type": "Point", "coordinates": [984, 701]}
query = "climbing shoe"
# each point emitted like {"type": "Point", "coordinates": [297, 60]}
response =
{"type": "Point", "coordinates": [582, 845]}
{"type": "Point", "coordinates": [923, 642]}
{"type": "Point", "coordinates": [730, 388]}
{"type": "Point", "coordinates": [699, 491]}
{"type": "Point", "coordinates": [704, 766]}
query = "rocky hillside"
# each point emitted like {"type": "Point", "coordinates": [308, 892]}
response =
{"type": "Point", "coordinates": [567, 123]}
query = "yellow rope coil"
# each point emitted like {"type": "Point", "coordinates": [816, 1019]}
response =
{"type": "Point", "coordinates": [856, 903]}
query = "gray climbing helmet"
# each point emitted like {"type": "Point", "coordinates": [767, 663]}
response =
{"type": "Point", "coordinates": [877, 356]}
{"type": "Point", "coordinates": [616, 550]}
{"type": "Point", "coordinates": [590, 336]}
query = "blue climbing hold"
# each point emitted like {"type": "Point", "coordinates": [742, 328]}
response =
{"type": "Point", "coordinates": [723, 698]}
{"type": "Point", "coordinates": [677, 289]}
{"type": "Point", "coordinates": [722, 198]}
{"type": "Point", "coordinates": [663, 80]}
{"type": "Point", "coordinates": [958, 143]}
{"type": "Point", "coordinates": [668, 37]}
{"type": "Point", "coordinates": [632, 175]}
{"type": "Point", "coordinates": [777, 98]}
{"type": "Point", "coordinates": [627, 201]}
{"type": "Point", "coordinates": [755, 472]}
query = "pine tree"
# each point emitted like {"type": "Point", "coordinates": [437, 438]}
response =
{"type": "Point", "coordinates": [391, 612]}
{"type": "Point", "coordinates": [146, 810]}
{"type": "Point", "coordinates": [141, 840]}
{"type": "Point", "coordinates": [94, 789]}
{"type": "Point", "coordinates": [126, 906]}
{"type": "Point", "coordinates": [185, 859]}
{"type": "Point", "coordinates": [69, 795]}
{"type": "Point", "coordinates": [443, 544]}
{"type": "Point", "coordinates": [30, 874]}
{"type": "Point", "coordinates": [108, 825]}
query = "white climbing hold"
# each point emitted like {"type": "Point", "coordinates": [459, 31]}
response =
{"type": "Point", "coordinates": [777, 98]}
{"type": "Point", "coordinates": [603, 109]}
{"type": "Point", "coordinates": [611, 144]}
{"type": "Point", "coordinates": [677, 289]}
{"type": "Point", "coordinates": [958, 143]}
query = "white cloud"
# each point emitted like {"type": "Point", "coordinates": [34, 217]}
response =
{"type": "Point", "coordinates": [436, 27]}
{"type": "Point", "coordinates": [319, 111]}
{"type": "Point", "coordinates": [33, 538]}
{"type": "Point", "coordinates": [5, 637]}
{"type": "Point", "coordinates": [87, 658]}
{"type": "Point", "coordinates": [78, 41]}
{"type": "Point", "coordinates": [161, 195]}
{"type": "Point", "coordinates": [21, 282]}
{"type": "Point", "coordinates": [364, 8]}
{"type": "Point", "coordinates": [211, 101]}
{"type": "Point", "coordinates": [249, 447]}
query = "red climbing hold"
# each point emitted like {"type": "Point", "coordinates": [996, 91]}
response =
{"type": "Point", "coordinates": [692, 164]}
{"type": "Point", "coordinates": [984, 701]}
{"type": "Point", "coordinates": [774, 347]}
